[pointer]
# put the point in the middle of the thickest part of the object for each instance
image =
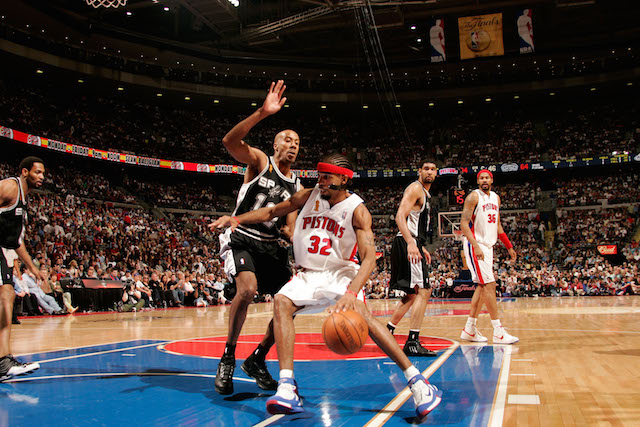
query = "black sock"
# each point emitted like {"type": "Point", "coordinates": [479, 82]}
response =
{"type": "Point", "coordinates": [414, 335]}
{"type": "Point", "coordinates": [391, 328]}
{"type": "Point", "coordinates": [260, 352]}
{"type": "Point", "coordinates": [230, 350]}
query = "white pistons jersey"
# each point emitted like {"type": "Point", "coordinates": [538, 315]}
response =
{"type": "Point", "coordinates": [484, 222]}
{"type": "Point", "coordinates": [324, 237]}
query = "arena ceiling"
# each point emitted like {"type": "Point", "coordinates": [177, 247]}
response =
{"type": "Point", "coordinates": [333, 31]}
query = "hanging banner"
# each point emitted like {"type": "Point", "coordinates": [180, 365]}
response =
{"type": "Point", "coordinates": [525, 31]}
{"type": "Point", "coordinates": [436, 40]}
{"type": "Point", "coordinates": [480, 36]}
{"type": "Point", "coordinates": [133, 159]}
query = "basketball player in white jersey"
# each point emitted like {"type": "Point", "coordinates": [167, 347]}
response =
{"type": "Point", "coordinates": [332, 226]}
{"type": "Point", "coordinates": [410, 259]}
{"type": "Point", "coordinates": [480, 224]}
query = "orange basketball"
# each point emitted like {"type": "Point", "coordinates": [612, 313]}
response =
{"type": "Point", "coordinates": [345, 332]}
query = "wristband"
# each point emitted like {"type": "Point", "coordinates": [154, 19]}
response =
{"type": "Point", "coordinates": [236, 218]}
{"type": "Point", "coordinates": [505, 240]}
{"type": "Point", "coordinates": [349, 291]}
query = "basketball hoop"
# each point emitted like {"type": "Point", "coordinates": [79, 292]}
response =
{"type": "Point", "coordinates": [106, 3]}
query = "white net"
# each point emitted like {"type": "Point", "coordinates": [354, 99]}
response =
{"type": "Point", "coordinates": [106, 3]}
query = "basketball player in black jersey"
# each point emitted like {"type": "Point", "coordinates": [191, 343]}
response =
{"type": "Point", "coordinates": [252, 256]}
{"type": "Point", "coordinates": [13, 219]}
{"type": "Point", "coordinates": [410, 259]}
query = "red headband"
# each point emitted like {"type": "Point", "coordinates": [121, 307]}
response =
{"type": "Point", "coordinates": [339, 170]}
{"type": "Point", "coordinates": [487, 171]}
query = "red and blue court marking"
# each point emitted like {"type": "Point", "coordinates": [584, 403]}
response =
{"type": "Point", "coordinates": [149, 382]}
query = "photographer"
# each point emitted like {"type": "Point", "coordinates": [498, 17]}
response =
{"type": "Point", "coordinates": [132, 298]}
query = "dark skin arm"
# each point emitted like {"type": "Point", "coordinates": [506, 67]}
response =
{"type": "Point", "coordinates": [264, 214]}
{"type": "Point", "coordinates": [470, 204]}
{"type": "Point", "coordinates": [255, 159]}
{"type": "Point", "coordinates": [367, 251]}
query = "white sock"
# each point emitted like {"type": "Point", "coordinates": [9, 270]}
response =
{"type": "Point", "coordinates": [471, 322]}
{"type": "Point", "coordinates": [496, 324]}
{"type": "Point", "coordinates": [410, 372]}
{"type": "Point", "coordinates": [286, 373]}
{"type": "Point", "coordinates": [391, 324]}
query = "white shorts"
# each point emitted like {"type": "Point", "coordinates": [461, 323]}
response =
{"type": "Point", "coordinates": [481, 270]}
{"type": "Point", "coordinates": [317, 290]}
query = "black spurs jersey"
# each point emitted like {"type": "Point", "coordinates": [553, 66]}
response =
{"type": "Point", "coordinates": [268, 188]}
{"type": "Point", "coordinates": [12, 221]}
{"type": "Point", "coordinates": [419, 222]}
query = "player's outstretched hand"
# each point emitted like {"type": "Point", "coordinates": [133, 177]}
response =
{"type": "Point", "coordinates": [346, 302]}
{"type": "Point", "coordinates": [274, 100]}
{"type": "Point", "coordinates": [513, 255]}
{"type": "Point", "coordinates": [224, 221]}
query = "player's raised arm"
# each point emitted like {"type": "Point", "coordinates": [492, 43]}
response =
{"type": "Point", "coordinates": [470, 204]}
{"type": "Point", "coordinates": [233, 141]}
{"type": "Point", "coordinates": [265, 214]}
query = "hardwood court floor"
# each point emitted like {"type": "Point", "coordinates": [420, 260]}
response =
{"type": "Point", "coordinates": [577, 362]}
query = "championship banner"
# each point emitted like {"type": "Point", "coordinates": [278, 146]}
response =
{"type": "Point", "coordinates": [480, 36]}
{"type": "Point", "coordinates": [524, 22]}
{"type": "Point", "coordinates": [436, 41]}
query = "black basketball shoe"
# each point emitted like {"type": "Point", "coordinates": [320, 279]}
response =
{"type": "Point", "coordinates": [414, 348]}
{"type": "Point", "coordinates": [224, 376]}
{"type": "Point", "coordinates": [257, 369]}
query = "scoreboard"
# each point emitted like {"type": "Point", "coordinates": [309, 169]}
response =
{"type": "Point", "coordinates": [457, 196]}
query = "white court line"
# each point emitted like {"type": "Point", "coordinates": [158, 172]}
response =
{"type": "Point", "coordinates": [521, 360]}
{"type": "Point", "coordinates": [392, 407]}
{"type": "Point", "coordinates": [110, 374]}
{"type": "Point", "coordinates": [523, 375]}
{"type": "Point", "coordinates": [84, 346]}
{"type": "Point", "coordinates": [268, 421]}
{"type": "Point", "coordinates": [77, 356]}
{"type": "Point", "coordinates": [497, 412]}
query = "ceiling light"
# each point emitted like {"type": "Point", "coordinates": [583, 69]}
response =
{"type": "Point", "coordinates": [364, 107]}
{"type": "Point", "coordinates": [129, 13]}
{"type": "Point", "coordinates": [487, 99]}
{"type": "Point", "coordinates": [516, 96]}
{"type": "Point", "coordinates": [120, 88]}
{"type": "Point", "coordinates": [39, 71]}
{"type": "Point", "coordinates": [166, 9]}
{"type": "Point", "coordinates": [460, 101]}
{"type": "Point", "coordinates": [324, 107]}
{"type": "Point", "coordinates": [254, 104]}
{"type": "Point", "coordinates": [187, 98]}
{"type": "Point", "coordinates": [80, 81]}
{"type": "Point", "coordinates": [158, 94]}
{"type": "Point", "coordinates": [431, 104]}
{"type": "Point", "coordinates": [216, 101]}
{"type": "Point", "coordinates": [413, 27]}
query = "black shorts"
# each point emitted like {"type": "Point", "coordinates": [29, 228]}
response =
{"type": "Point", "coordinates": [5, 271]}
{"type": "Point", "coordinates": [406, 276]}
{"type": "Point", "coordinates": [268, 260]}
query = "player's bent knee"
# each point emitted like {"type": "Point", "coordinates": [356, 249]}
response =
{"type": "Point", "coordinates": [283, 304]}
